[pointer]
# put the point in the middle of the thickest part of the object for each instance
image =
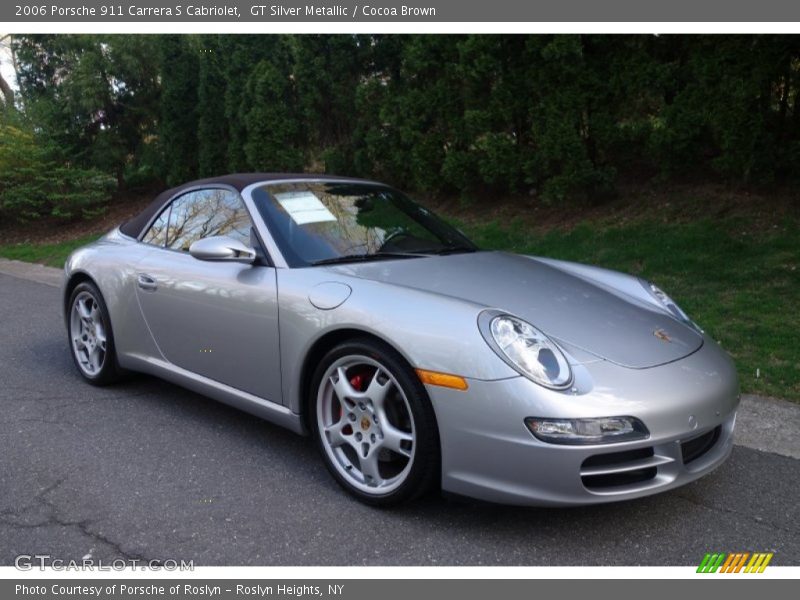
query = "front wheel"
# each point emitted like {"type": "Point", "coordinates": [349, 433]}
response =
{"type": "Point", "coordinates": [374, 424]}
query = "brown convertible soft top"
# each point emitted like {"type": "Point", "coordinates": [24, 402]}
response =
{"type": "Point", "coordinates": [134, 227]}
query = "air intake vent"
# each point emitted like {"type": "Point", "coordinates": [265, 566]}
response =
{"type": "Point", "coordinates": [696, 447]}
{"type": "Point", "coordinates": [621, 469]}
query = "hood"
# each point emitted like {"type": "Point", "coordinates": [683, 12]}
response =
{"type": "Point", "coordinates": [568, 308]}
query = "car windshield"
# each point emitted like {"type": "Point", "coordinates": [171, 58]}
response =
{"type": "Point", "coordinates": [327, 222]}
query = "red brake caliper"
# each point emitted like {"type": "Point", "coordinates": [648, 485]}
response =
{"type": "Point", "coordinates": [357, 381]}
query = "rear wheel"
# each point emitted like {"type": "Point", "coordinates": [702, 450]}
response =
{"type": "Point", "coordinates": [374, 423]}
{"type": "Point", "coordinates": [90, 337]}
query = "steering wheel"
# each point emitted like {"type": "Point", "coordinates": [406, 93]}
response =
{"type": "Point", "coordinates": [397, 233]}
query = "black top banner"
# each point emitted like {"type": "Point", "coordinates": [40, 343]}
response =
{"type": "Point", "coordinates": [467, 11]}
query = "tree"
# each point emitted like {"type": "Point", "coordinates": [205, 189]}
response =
{"type": "Point", "coordinates": [212, 127]}
{"type": "Point", "coordinates": [178, 124]}
{"type": "Point", "coordinates": [242, 53]}
{"type": "Point", "coordinates": [328, 70]}
{"type": "Point", "coordinates": [273, 130]}
{"type": "Point", "coordinates": [6, 92]}
{"type": "Point", "coordinates": [94, 96]}
{"type": "Point", "coordinates": [34, 183]}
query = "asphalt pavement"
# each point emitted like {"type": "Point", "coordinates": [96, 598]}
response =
{"type": "Point", "coordinates": [148, 470]}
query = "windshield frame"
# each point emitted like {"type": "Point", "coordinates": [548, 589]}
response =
{"type": "Point", "coordinates": [263, 220]}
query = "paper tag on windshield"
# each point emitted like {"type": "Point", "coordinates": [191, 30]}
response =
{"type": "Point", "coordinates": [304, 207]}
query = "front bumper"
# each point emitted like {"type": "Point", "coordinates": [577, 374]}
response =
{"type": "Point", "coordinates": [489, 454]}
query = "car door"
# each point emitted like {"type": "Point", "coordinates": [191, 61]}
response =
{"type": "Point", "coordinates": [215, 319]}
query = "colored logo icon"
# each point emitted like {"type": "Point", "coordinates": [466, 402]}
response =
{"type": "Point", "coordinates": [736, 562]}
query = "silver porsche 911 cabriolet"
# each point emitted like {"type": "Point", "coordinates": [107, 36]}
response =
{"type": "Point", "coordinates": [340, 308]}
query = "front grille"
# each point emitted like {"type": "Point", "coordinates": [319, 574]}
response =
{"type": "Point", "coordinates": [696, 447]}
{"type": "Point", "coordinates": [616, 469]}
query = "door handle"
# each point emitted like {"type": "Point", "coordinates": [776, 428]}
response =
{"type": "Point", "coordinates": [146, 282]}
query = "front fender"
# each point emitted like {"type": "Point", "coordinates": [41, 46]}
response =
{"type": "Point", "coordinates": [431, 331]}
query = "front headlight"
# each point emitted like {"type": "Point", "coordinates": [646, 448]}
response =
{"type": "Point", "coordinates": [664, 300]}
{"type": "Point", "coordinates": [529, 351]}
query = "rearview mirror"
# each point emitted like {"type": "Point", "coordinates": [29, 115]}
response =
{"type": "Point", "coordinates": [221, 248]}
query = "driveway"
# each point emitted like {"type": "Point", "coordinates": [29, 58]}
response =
{"type": "Point", "coordinates": [148, 470]}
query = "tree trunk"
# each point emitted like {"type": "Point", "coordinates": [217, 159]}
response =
{"type": "Point", "coordinates": [8, 93]}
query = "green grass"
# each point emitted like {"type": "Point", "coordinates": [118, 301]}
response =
{"type": "Point", "coordinates": [52, 255]}
{"type": "Point", "coordinates": [742, 287]}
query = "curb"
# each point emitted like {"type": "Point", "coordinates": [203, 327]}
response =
{"type": "Point", "coordinates": [768, 424]}
{"type": "Point", "coordinates": [32, 272]}
{"type": "Point", "coordinates": [762, 423]}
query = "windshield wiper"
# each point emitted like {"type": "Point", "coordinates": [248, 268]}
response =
{"type": "Point", "coordinates": [347, 258]}
{"type": "Point", "coordinates": [448, 250]}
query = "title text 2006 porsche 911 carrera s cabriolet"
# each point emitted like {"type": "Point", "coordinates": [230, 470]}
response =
{"type": "Point", "coordinates": [340, 308]}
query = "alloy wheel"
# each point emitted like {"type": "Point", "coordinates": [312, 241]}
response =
{"type": "Point", "coordinates": [366, 424]}
{"type": "Point", "coordinates": [88, 334]}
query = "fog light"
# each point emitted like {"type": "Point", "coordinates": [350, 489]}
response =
{"type": "Point", "coordinates": [603, 430]}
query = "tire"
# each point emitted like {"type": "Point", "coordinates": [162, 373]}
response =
{"type": "Point", "coordinates": [90, 337]}
{"type": "Point", "coordinates": [374, 424]}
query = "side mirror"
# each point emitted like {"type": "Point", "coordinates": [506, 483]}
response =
{"type": "Point", "coordinates": [221, 248]}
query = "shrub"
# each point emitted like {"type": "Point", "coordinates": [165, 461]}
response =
{"type": "Point", "coordinates": [35, 184]}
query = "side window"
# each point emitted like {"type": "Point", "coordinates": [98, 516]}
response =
{"type": "Point", "coordinates": [157, 234]}
{"type": "Point", "coordinates": [206, 213]}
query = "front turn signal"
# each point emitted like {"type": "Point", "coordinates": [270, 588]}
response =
{"type": "Point", "coordinates": [442, 379]}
